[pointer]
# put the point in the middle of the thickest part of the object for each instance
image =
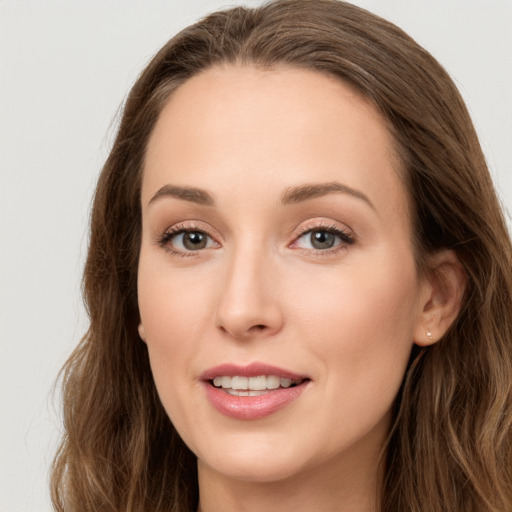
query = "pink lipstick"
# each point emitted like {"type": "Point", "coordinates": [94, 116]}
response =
{"type": "Point", "coordinates": [253, 391]}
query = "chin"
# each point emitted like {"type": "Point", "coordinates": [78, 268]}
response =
{"type": "Point", "coordinates": [255, 461]}
{"type": "Point", "coordinates": [254, 471]}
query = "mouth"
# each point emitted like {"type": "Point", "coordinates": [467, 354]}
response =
{"type": "Point", "coordinates": [239, 385]}
{"type": "Point", "coordinates": [252, 392]}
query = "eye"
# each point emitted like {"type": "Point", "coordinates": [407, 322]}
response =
{"type": "Point", "coordinates": [320, 239]}
{"type": "Point", "coordinates": [191, 240]}
{"type": "Point", "coordinates": [323, 239]}
{"type": "Point", "coordinates": [185, 240]}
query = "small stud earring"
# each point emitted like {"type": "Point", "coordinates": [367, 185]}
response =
{"type": "Point", "coordinates": [429, 334]}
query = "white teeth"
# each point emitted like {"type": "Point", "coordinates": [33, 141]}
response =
{"type": "Point", "coordinates": [286, 383]}
{"type": "Point", "coordinates": [273, 382]}
{"type": "Point", "coordinates": [238, 385]}
{"type": "Point", "coordinates": [241, 383]}
{"type": "Point", "coordinates": [257, 383]}
{"type": "Point", "coordinates": [235, 392]}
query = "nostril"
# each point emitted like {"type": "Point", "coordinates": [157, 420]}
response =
{"type": "Point", "coordinates": [253, 330]}
{"type": "Point", "coordinates": [257, 328]}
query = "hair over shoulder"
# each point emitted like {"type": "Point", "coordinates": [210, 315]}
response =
{"type": "Point", "coordinates": [450, 447]}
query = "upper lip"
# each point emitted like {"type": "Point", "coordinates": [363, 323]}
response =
{"type": "Point", "coordinates": [250, 370]}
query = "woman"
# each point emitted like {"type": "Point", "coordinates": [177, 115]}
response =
{"type": "Point", "coordinates": [298, 280]}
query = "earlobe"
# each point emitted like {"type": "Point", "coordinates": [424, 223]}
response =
{"type": "Point", "coordinates": [442, 300]}
{"type": "Point", "coordinates": [142, 332]}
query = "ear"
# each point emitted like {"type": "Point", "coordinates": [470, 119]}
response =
{"type": "Point", "coordinates": [142, 332]}
{"type": "Point", "coordinates": [442, 292]}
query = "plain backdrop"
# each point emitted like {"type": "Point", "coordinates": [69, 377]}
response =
{"type": "Point", "coordinates": [65, 68]}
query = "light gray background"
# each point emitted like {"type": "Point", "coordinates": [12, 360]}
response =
{"type": "Point", "coordinates": [65, 67]}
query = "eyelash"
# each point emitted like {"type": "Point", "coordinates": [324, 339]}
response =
{"type": "Point", "coordinates": [171, 232]}
{"type": "Point", "coordinates": [345, 237]}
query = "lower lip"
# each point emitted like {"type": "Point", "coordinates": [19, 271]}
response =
{"type": "Point", "coordinates": [252, 407]}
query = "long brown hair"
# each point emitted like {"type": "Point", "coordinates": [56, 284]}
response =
{"type": "Point", "coordinates": [451, 445]}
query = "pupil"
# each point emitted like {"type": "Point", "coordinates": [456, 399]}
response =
{"type": "Point", "coordinates": [194, 240]}
{"type": "Point", "coordinates": [322, 239]}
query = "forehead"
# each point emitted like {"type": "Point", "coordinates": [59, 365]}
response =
{"type": "Point", "coordinates": [283, 126]}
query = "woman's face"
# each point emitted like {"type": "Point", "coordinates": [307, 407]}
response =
{"type": "Point", "coordinates": [278, 292]}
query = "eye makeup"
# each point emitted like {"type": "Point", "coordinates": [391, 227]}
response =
{"type": "Point", "coordinates": [186, 239]}
{"type": "Point", "coordinates": [315, 238]}
{"type": "Point", "coordinates": [321, 238]}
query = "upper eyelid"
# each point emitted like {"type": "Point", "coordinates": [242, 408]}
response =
{"type": "Point", "coordinates": [330, 227]}
{"type": "Point", "coordinates": [187, 226]}
{"type": "Point", "coordinates": [327, 225]}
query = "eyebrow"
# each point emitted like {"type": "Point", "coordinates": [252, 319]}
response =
{"type": "Point", "coordinates": [302, 193]}
{"type": "Point", "coordinates": [192, 194]}
{"type": "Point", "coordinates": [291, 195]}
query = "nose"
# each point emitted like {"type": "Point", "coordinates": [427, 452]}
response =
{"type": "Point", "coordinates": [249, 304]}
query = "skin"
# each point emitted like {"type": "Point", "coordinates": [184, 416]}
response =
{"type": "Point", "coordinates": [346, 317]}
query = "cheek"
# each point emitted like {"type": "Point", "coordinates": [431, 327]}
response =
{"type": "Point", "coordinates": [378, 298]}
{"type": "Point", "coordinates": [361, 326]}
{"type": "Point", "coordinates": [360, 333]}
{"type": "Point", "coordinates": [170, 314]}
{"type": "Point", "coordinates": [169, 300]}
{"type": "Point", "coordinates": [171, 320]}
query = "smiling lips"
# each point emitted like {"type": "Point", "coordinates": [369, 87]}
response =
{"type": "Point", "coordinates": [251, 392]}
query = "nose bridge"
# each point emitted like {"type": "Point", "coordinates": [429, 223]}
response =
{"type": "Point", "coordinates": [248, 303]}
